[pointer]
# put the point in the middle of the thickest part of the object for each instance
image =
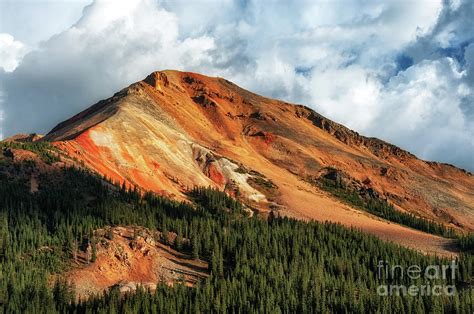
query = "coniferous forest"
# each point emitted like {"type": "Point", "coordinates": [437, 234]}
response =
{"type": "Point", "coordinates": [274, 265]}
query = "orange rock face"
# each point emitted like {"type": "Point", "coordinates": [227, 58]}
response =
{"type": "Point", "coordinates": [176, 130]}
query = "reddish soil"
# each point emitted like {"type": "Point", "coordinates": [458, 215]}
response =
{"type": "Point", "coordinates": [128, 263]}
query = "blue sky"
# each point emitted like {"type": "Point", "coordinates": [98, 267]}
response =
{"type": "Point", "coordinates": [402, 71]}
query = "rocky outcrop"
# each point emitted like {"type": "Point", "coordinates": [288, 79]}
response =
{"type": "Point", "coordinates": [157, 80]}
{"type": "Point", "coordinates": [378, 147]}
{"type": "Point", "coordinates": [132, 257]}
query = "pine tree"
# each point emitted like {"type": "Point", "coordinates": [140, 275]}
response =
{"type": "Point", "coordinates": [165, 236]}
{"type": "Point", "coordinates": [179, 242]}
{"type": "Point", "coordinates": [195, 248]}
{"type": "Point", "coordinates": [94, 251]}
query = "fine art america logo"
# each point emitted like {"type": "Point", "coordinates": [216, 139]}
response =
{"type": "Point", "coordinates": [413, 280]}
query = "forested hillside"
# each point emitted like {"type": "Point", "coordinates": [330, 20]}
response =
{"type": "Point", "coordinates": [256, 265]}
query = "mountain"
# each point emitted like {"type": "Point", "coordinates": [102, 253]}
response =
{"type": "Point", "coordinates": [80, 232]}
{"type": "Point", "coordinates": [175, 130]}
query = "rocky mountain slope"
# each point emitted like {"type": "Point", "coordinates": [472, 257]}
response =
{"type": "Point", "coordinates": [175, 130]}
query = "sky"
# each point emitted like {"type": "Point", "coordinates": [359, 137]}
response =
{"type": "Point", "coordinates": [402, 71]}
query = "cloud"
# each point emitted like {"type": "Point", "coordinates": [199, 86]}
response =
{"type": "Point", "coordinates": [399, 70]}
{"type": "Point", "coordinates": [33, 21]}
{"type": "Point", "coordinates": [11, 52]}
{"type": "Point", "coordinates": [423, 110]}
{"type": "Point", "coordinates": [110, 47]}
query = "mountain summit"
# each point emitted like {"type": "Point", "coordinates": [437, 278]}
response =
{"type": "Point", "coordinates": [175, 130]}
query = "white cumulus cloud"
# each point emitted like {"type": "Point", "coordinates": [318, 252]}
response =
{"type": "Point", "coordinates": [110, 47]}
{"type": "Point", "coordinates": [11, 52]}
